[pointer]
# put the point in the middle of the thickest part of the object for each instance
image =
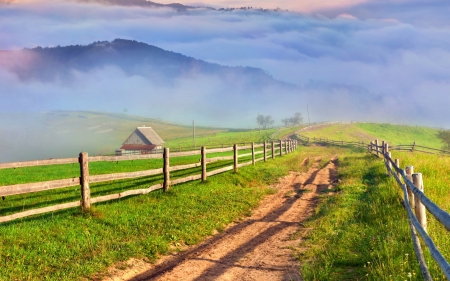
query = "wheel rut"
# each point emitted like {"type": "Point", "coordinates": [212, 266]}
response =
{"type": "Point", "coordinates": [261, 247]}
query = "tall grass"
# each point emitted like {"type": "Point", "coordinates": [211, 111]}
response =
{"type": "Point", "coordinates": [362, 233]}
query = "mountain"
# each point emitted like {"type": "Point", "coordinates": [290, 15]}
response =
{"type": "Point", "coordinates": [134, 58]}
{"type": "Point", "coordinates": [141, 3]}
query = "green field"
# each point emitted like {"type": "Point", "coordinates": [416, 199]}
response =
{"type": "Point", "coordinates": [360, 233]}
{"type": "Point", "coordinates": [69, 245]}
{"type": "Point", "coordinates": [367, 132]}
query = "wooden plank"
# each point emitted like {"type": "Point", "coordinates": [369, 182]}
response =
{"type": "Point", "coordinates": [38, 163]}
{"type": "Point", "coordinates": [216, 150]}
{"type": "Point", "coordinates": [185, 153]}
{"type": "Point", "coordinates": [121, 176]}
{"type": "Point", "coordinates": [219, 159]}
{"type": "Point", "coordinates": [8, 190]}
{"type": "Point", "coordinates": [125, 157]}
{"type": "Point", "coordinates": [218, 171]}
{"type": "Point", "coordinates": [186, 179]}
{"type": "Point", "coordinates": [244, 164]}
{"type": "Point", "coordinates": [126, 193]}
{"type": "Point", "coordinates": [259, 159]}
{"type": "Point", "coordinates": [245, 147]}
{"type": "Point", "coordinates": [183, 167]}
{"type": "Point", "coordinates": [244, 155]}
{"type": "Point", "coordinates": [259, 152]}
{"type": "Point", "coordinates": [40, 211]}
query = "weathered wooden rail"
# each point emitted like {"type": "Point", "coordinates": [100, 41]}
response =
{"type": "Point", "coordinates": [414, 197]}
{"type": "Point", "coordinates": [269, 149]}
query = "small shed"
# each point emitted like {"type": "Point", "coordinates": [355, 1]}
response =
{"type": "Point", "coordinates": [143, 140]}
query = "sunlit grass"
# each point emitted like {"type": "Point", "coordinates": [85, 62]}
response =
{"type": "Point", "coordinates": [362, 233]}
{"type": "Point", "coordinates": [69, 245]}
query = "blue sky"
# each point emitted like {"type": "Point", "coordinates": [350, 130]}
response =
{"type": "Point", "coordinates": [384, 61]}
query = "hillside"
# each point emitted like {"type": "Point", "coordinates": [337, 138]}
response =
{"type": "Point", "coordinates": [367, 132]}
{"type": "Point", "coordinates": [59, 134]}
{"type": "Point", "coordinates": [51, 64]}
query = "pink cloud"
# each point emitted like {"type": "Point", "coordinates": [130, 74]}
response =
{"type": "Point", "coordinates": [308, 6]}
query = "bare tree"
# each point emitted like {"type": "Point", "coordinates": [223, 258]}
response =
{"type": "Point", "coordinates": [264, 121]}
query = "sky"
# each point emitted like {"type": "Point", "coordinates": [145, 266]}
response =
{"type": "Point", "coordinates": [384, 60]}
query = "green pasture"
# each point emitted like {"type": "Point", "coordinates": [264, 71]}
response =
{"type": "Point", "coordinates": [367, 132]}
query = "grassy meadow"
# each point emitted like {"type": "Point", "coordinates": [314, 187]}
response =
{"type": "Point", "coordinates": [367, 132]}
{"type": "Point", "coordinates": [69, 245]}
{"type": "Point", "coordinates": [362, 233]}
{"type": "Point", "coordinates": [359, 233]}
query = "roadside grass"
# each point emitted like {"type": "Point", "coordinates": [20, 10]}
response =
{"type": "Point", "coordinates": [362, 233]}
{"type": "Point", "coordinates": [69, 245]}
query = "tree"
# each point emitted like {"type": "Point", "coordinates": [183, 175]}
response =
{"type": "Point", "coordinates": [296, 120]}
{"type": "Point", "coordinates": [444, 135]}
{"type": "Point", "coordinates": [264, 121]}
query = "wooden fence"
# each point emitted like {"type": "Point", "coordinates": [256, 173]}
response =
{"type": "Point", "coordinates": [268, 150]}
{"type": "Point", "coordinates": [413, 196]}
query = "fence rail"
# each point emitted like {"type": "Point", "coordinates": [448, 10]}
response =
{"type": "Point", "coordinates": [413, 195]}
{"type": "Point", "coordinates": [85, 179]}
{"type": "Point", "coordinates": [412, 187]}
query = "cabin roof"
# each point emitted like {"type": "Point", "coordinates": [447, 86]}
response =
{"type": "Point", "coordinates": [150, 135]}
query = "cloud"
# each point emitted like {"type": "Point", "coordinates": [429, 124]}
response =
{"type": "Point", "coordinates": [373, 60]}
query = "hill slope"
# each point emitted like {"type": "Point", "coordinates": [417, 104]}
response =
{"type": "Point", "coordinates": [30, 136]}
{"type": "Point", "coordinates": [367, 132]}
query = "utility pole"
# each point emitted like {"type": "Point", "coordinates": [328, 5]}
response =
{"type": "Point", "coordinates": [193, 132]}
{"type": "Point", "coordinates": [307, 109]}
{"type": "Point", "coordinates": [259, 126]}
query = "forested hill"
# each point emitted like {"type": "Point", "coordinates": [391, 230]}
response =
{"type": "Point", "coordinates": [132, 57]}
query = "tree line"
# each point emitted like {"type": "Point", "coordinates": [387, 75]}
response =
{"type": "Point", "coordinates": [265, 121]}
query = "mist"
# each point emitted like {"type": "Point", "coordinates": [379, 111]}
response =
{"type": "Point", "coordinates": [358, 61]}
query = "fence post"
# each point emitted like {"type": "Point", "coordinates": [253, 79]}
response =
{"type": "Point", "coordinates": [285, 147]}
{"type": "Point", "coordinates": [388, 172]}
{"type": "Point", "coordinates": [342, 142]}
{"type": "Point", "coordinates": [235, 157]}
{"type": "Point", "coordinates": [166, 167]}
{"type": "Point", "coordinates": [84, 181]}
{"type": "Point", "coordinates": [397, 163]}
{"type": "Point", "coordinates": [203, 152]}
{"type": "Point", "coordinates": [281, 148]}
{"type": "Point", "coordinates": [376, 147]}
{"type": "Point", "coordinates": [265, 151]}
{"type": "Point", "coordinates": [383, 147]}
{"type": "Point", "coordinates": [253, 153]}
{"type": "Point", "coordinates": [409, 171]}
{"type": "Point", "coordinates": [273, 150]}
{"type": "Point", "coordinates": [414, 146]}
{"type": "Point", "coordinates": [420, 208]}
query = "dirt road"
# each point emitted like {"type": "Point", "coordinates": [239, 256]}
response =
{"type": "Point", "coordinates": [261, 247]}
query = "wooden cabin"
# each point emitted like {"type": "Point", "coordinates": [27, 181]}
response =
{"type": "Point", "coordinates": [143, 140]}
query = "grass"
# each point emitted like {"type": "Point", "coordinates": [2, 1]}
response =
{"type": "Point", "coordinates": [367, 132]}
{"type": "Point", "coordinates": [69, 245]}
{"type": "Point", "coordinates": [230, 137]}
{"type": "Point", "coordinates": [362, 233]}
